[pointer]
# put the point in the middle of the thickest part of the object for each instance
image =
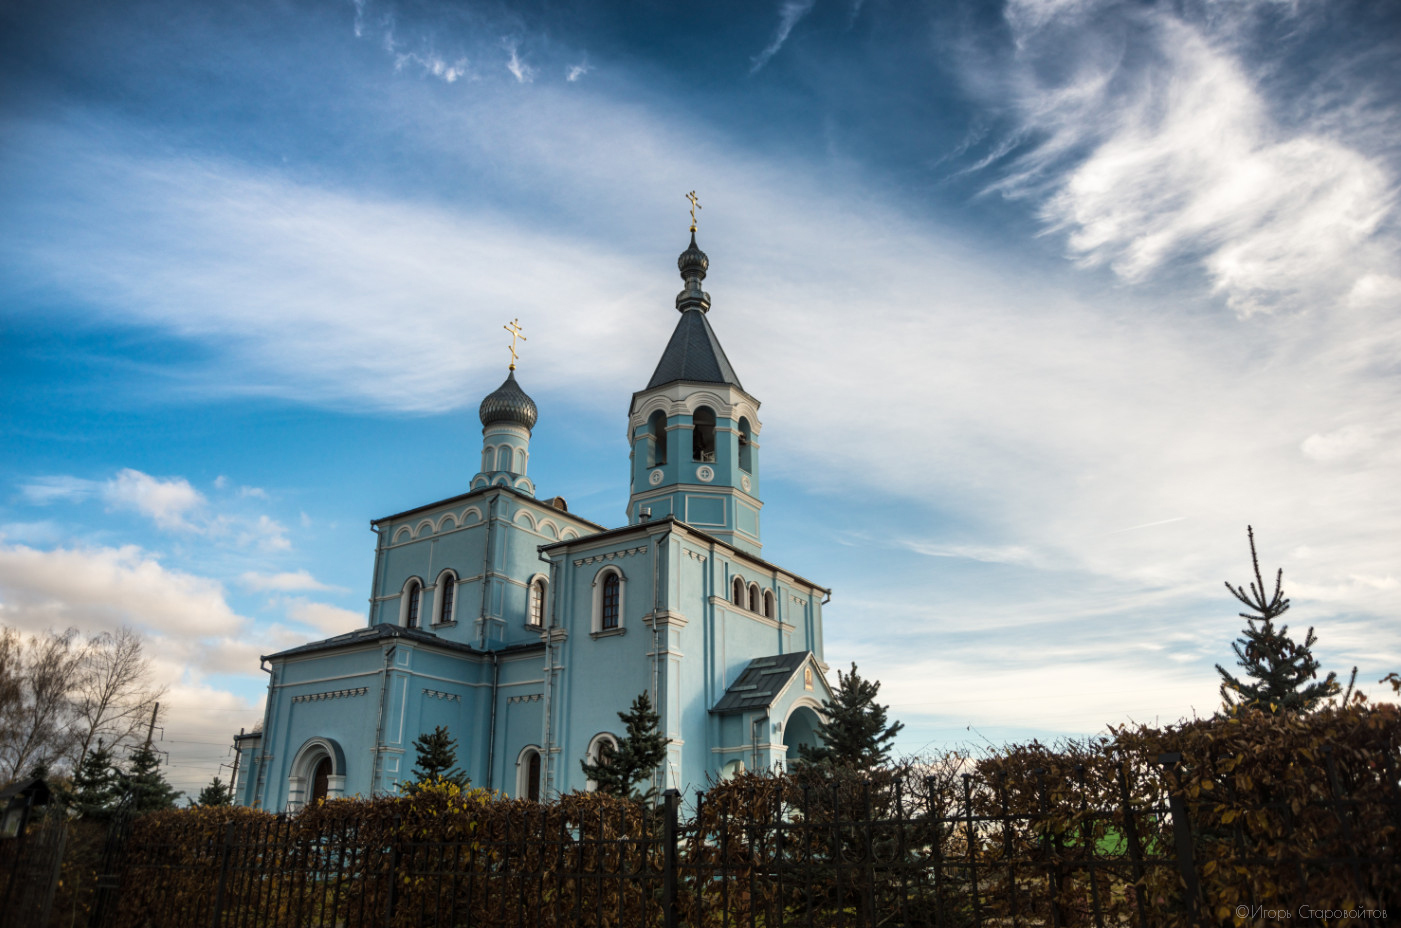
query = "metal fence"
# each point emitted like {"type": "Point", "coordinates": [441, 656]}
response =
{"type": "Point", "coordinates": [1111, 845]}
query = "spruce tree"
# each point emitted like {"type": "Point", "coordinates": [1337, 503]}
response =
{"type": "Point", "coordinates": [618, 771]}
{"type": "Point", "coordinates": [436, 760]}
{"type": "Point", "coordinates": [96, 788]}
{"type": "Point", "coordinates": [855, 735]}
{"type": "Point", "coordinates": [146, 784]}
{"type": "Point", "coordinates": [216, 793]}
{"type": "Point", "coordinates": [1280, 667]}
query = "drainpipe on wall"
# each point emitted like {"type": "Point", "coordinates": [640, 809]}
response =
{"type": "Point", "coordinates": [491, 737]}
{"type": "Point", "coordinates": [375, 578]}
{"type": "Point", "coordinates": [264, 743]}
{"type": "Point", "coordinates": [379, 722]}
{"type": "Point", "coordinates": [486, 568]}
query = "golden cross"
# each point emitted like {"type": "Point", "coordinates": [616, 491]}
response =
{"type": "Point", "coordinates": [695, 205]}
{"type": "Point", "coordinates": [515, 329]}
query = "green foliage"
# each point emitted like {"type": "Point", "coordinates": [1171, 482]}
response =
{"type": "Point", "coordinates": [1280, 667]}
{"type": "Point", "coordinates": [855, 735]}
{"type": "Point", "coordinates": [619, 771]}
{"type": "Point", "coordinates": [216, 793]}
{"type": "Point", "coordinates": [146, 784]}
{"type": "Point", "coordinates": [436, 760]}
{"type": "Point", "coordinates": [96, 784]}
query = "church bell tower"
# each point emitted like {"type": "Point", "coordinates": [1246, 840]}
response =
{"type": "Point", "coordinates": [694, 430]}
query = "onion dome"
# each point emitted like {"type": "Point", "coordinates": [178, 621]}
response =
{"type": "Point", "coordinates": [693, 264]}
{"type": "Point", "coordinates": [509, 405]}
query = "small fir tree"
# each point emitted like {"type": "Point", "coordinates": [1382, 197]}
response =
{"type": "Point", "coordinates": [1280, 667]}
{"type": "Point", "coordinates": [436, 760]}
{"type": "Point", "coordinates": [146, 784]}
{"type": "Point", "coordinates": [618, 771]}
{"type": "Point", "coordinates": [855, 735]}
{"type": "Point", "coordinates": [216, 793]}
{"type": "Point", "coordinates": [96, 787]}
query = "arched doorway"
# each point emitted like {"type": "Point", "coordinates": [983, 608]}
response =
{"type": "Point", "coordinates": [318, 772]}
{"type": "Point", "coordinates": [800, 729]}
{"type": "Point", "coordinates": [321, 779]}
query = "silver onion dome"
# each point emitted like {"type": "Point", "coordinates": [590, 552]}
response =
{"type": "Point", "coordinates": [509, 404]}
{"type": "Point", "coordinates": [693, 264]}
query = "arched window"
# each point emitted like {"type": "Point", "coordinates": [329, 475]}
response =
{"type": "Point", "coordinates": [320, 780]}
{"type": "Point", "coordinates": [503, 458]}
{"type": "Point", "coordinates": [488, 458]}
{"type": "Point", "coordinates": [753, 597]}
{"type": "Point", "coordinates": [746, 453]}
{"type": "Point", "coordinates": [611, 590]}
{"type": "Point", "coordinates": [413, 601]}
{"type": "Point", "coordinates": [768, 604]}
{"type": "Point", "coordinates": [656, 439]}
{"type": "Point", "coordinates": [703, 434]}
{"type": "Point", "coordinates": [528, 774]}
{"type": "Point", "coordinates": [737, 592]}
{"type": "Point", "coordinates": [600, 753]}
{"type": "Point", "coordinates": [536, 615]}
{"type": "Point", "coordinates": [447, 594]}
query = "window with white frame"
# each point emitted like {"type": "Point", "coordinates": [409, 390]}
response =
{"type": "Point", "coordinates": [737, 592]}
{"type": "Point", "coordinates": [447, 595]}
{"type": "Point", "coordinates": [609, 588]}
{"type": "Point", "coordinates": [769, 604]}
{"type": "Point", "coordinates": [600, 752]}
{"type": "Point", "coordinates": [528, 774]}
{"type": "Point", "coordinates": [535, 614]}
{"type": "Point", "coordinates": [413, 602]}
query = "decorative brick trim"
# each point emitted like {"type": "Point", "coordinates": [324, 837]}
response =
{"type": "Point", "coordinates": [439, 694]}
{"type": "Point", "coordinates": [331, 694]}
{"type": "Point", "coordinates": [611, 555]}
{"type": "Point", "coordinates": [533, 697]}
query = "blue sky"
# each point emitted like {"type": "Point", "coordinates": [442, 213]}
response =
{"type": "Point", "coordinates": [1045, 301]}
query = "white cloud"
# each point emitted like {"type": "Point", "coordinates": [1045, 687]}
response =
{"type": "Point", "coordinates": [1343, 443]}
{"type": "Point", "coordinates": [286, 582]}
{"type": "Point", "coordinates": [576, 71]}
{"type": "Point", "coordinates": [1184, 161]}
{"type": "Point", "coordinates": [434, 65]}
{"type": "Point", "coordinates": [328, 620]}
{"type": "Point", "coordinates": [789, 14]}
{"type": "Point", "coordinates": [522, 72]}
{"type": "Point", "coordinates": [166, 501]}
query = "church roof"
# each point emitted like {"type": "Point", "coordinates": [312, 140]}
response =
{"type": "Point", "coordinates": [389, 630]}
{"type": "Point", "coordinates": [694, 354]}
{"type": "Point", "coordinates": [510, 404]}
{"type": "Point", "coordinates": [760, 683]}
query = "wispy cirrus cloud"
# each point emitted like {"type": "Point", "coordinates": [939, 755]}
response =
{"type": "Point", "coordinates": [284, 582]}
{"type": "Point", "coordinates": [522, 72]}
{"type": "Point", "coordinates": [789, 15]}
{"type": "Point", "coordinates": [1157, 145]}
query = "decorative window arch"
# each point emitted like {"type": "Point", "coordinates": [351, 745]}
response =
{"type": "Point", "coordinates": [535, 602]}
{"type": "Point", "coordinates": [656, 439]}
{"type": "Point", "coordinates": [411, 603]}
{"type": "Point", "coordinates": [769, 604]}
{"type": "Point", "coordinates": [746, 451]}
{"type": "Point", "coordinates": [754, 599]}
{"type": "Point", "coordinates": [447, 597]}
{"type": "Point", "coordinates": [703, 434]}
{"type": "Point", "coordinates": [737, 591]}
{"type": "Point", "coordinates": [609, 585]}
{"type": "Point", "coordinates": [503, 459]}
{"type": "Point", "coordinates": [317, 773]}
{"type": "Point", "coordinates": [601, 742]}
{"type": "Point", "coordinates": [529, 770]}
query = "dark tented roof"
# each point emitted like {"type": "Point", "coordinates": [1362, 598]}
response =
{"type": "Point", "coordinates": [694, 354]}
{"type": "Point", "coordinates": [761, 682]}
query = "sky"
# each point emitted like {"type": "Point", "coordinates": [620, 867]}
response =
{"type": "Point", "coordinates": [1045, 301]}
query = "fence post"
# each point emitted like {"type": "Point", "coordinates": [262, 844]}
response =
{"type": "Point", "coordinates": [672, 800]}
{"type": "Point", "coordinates": [1182, 833]}
{"type": "Point", "coordinates": [225, 856]}
{"type": "Point", "coordinates": [395, 857]}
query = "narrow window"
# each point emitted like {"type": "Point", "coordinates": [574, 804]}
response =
{"type": "Point", "coordinates": [488, 459]}
{"type": "Point", "coordinates": [746, 453]}
{"type": "Point", "coordinates": [768, 603]}
{"type": "Point", "coordinates": [737, 593]}
{"type": "Point", "coordinates": [321, 781]}
{"type": "Point", "coordinates": [415, 599]}
{"type": "Point", "coordinates": [656, 439]}
{"type": "Point", "coordinates": [503, 459]}
{"type": "Point", "coordinates": [703, 434]}
{"type": "Point", "coordinates": [532, 777]}
{"type": "Point", "coordinates": [537, 603]}
{"type": "Point", "coordinates": [610, 601]}
{"type": "Point", "coordinates": [447, 592]}
{"type": "Point", "coordinates": [754, 597]}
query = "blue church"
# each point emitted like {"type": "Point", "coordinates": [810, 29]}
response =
{"type": "Point", "coordinates": [524, 629]}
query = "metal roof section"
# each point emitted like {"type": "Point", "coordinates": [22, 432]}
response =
{"type": "Point", "coordinates": [762, 681]}
{"type": "Point", "coordinates": [384, 630]}
{"type": "Point", "coordinates": [694, 355]}
{"type": "Point", "coordinates": [483, 491]}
